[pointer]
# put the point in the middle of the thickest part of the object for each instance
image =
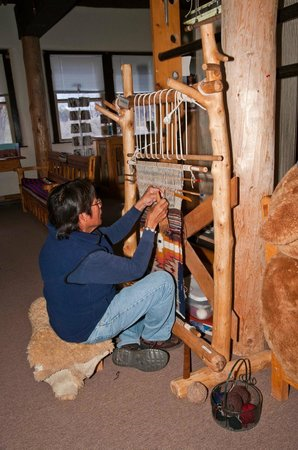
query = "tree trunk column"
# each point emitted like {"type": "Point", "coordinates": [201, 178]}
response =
{"type": "Point", "coordinates": [37, 98]}
{"type": "Point", "coordinates": [248, 36]}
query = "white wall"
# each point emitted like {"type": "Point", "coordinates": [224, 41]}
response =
{"type": "Point", "coordinates": [86, 29]}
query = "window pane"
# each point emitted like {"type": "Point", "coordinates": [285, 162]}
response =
{"type": "Point", "coordinates": [5, 131]}
{"type": "Point", "coordinates": [3, 84]}
{"type": "Point", "coordinates": [142, 70]}
{"type": "Point", "coordinates": [77, 72]}
{"type": "Point", "coordinates": [68, 115]}
{"type": "Point", "coordinates": [144, 122]}
{"type": "Point", "coordinates": [95, 120]}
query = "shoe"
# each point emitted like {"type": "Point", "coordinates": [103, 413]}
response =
{"type": "Point", "coordinates": [171, 343]}
{"type": "Point", "coordinates": [147, 360]}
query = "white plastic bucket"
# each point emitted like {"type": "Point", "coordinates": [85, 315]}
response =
{"type": "Point", "coordinates": [196, 302]}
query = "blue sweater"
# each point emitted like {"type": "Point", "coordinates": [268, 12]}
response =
{"type": "Point", "coordinates": [80, 274]}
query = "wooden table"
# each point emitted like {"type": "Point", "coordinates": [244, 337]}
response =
{"type": "Point", "coordinates": [10, 164]}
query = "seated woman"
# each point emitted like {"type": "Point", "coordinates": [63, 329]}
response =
{"type": "Point", "coordinates": [80, 273]}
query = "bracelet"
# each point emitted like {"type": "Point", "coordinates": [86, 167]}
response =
{"type": "Point", "coordinates": [150, 229]}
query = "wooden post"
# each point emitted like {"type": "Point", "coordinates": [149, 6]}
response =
{"type": "Point", "coordinates": [165, 26]}
{"type": "Point", "coordinates": [37, 99]}
{"type": "Point", "coordinates": [126, 122]}
{"type": "Point", "coordinates": [221, 204]}
{"type": "Point", "coordinates": [127, 125]}
{"type": "Point", "coordinates": [248, 36]}
{"type": "Point", "coordinates": [210, 95]}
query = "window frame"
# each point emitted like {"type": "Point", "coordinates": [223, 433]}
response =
{"type": "Point", "coordinates": [109, 92]}
{"type": "Point", "coordinates": [11, 102]}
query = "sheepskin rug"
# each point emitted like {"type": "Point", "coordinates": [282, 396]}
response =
{"type": "Point", "coordinates": [63, 365]}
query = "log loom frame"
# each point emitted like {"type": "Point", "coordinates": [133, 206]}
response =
{"type": "Point", "coordinates": [209, 94]}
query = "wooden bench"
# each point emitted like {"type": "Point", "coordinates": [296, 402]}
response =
{"type": "Point", "coordinates": [60, 169]}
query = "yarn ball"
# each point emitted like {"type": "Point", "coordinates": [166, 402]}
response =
{"type": "Point", "coordinates": [234, 423]}
{"type": "Point", "coordinates": [234, 401]}
{"type": "Point", "coordinates": [220, 416]}
{"type": "Point", "coordinates": [243, 392]}
{"type": "Point", "coordinates": [197, 392]}
{"type": "Point", "coordinates": [248, 413]}
{"type": "Point", "coordinates": [217, 397]}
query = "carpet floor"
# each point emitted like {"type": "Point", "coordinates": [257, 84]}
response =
{"type": "Point", "coordinates": [118, 408]}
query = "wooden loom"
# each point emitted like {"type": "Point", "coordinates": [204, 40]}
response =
{"type": "Point", "coordinates": [209, 94]}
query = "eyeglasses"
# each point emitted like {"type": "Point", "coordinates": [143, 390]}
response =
{"type": "Point", "coordinates": [98, 203]}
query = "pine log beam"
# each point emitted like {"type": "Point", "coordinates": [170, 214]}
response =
{"type": "Point", "coordinates": [106, 112]}
{"type": "Point", "coordinates": [190, 158]}
{"type": "Point", "coordinates": [251, 103]}
{"type": "Point", "coordinates": [37, 100]}
{"type": "Point", "coordinates": [209, 378]}
{"type": "Point", "coordinates": [221, 203]}
{"type": "Point", "coordinates": [210, 87]}
{"type": "Point", "coordinates": [200, 347]}
{"type": "Point", "coordinates": [127, 126]}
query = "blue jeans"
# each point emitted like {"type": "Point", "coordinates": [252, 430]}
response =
{"type": "Point", "coordinates": [145, 309]}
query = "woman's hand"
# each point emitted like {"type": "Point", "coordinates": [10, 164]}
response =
{"type": "Point", "coordinates": [151, 195]}
{"type": "Point", "coordinates": [157, 214]}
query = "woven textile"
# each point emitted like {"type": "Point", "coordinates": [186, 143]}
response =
{"type": "Point", "coordinates": [168, 253]}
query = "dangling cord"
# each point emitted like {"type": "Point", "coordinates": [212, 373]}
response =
{"type": "Point", "coordinates": [180, 133]}
{"type": "Point", "coordinates": [167, 122]}
{"type": "Point", "coordinates": [188, 167]}
{"type": "Point", "coordinates": [161, 121]}
{"type": "Point", "coordinates": [136, 122]}
{"type": "Point", "coordinates": [150, 126]}
{"type": "Point", "coordinates": [145, 124]}
{"type": "Point", "coordinates": [175, 124]}
{"type": "Point", "coordinates": [140, 126]}
{"type": "Point", "coordinates": [186, 127]}
{"type": "Point", "coordinates": [190, 8]}
{"type": "Point", "coordinates": [155, 125]}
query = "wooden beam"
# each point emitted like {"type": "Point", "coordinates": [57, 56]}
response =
{"type": "Point", "coordinates": [288, 71]}
{"type": "Point", "coordinates": [185, 49]}
{"type": "Point", "coordinates": [192, 338]}
{"type": "Point", "coordinates": [288, 13]}
{"type": "Point", "coordinates": [165, 25]}
{"type": "Point", "coordinates": [37, 99]}
{"type": "Point", "coordinates": [199, 271]}
{"type": "Point", "coordinates": [36, 18]}
{"type": "Point", "coordinates": [209, 378]}
{"type": "Point", "coordinates": [202, 215]}
{"type": "Point", "coordinates": [251, 103]}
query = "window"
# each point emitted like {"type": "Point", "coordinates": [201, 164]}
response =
{"type": "Point", "coordinates": [142, 70]}
{"type": "Point", "coordinates": [9, 119]}
{"type": "Point", "coordinates": [96, 76]}
{"type": "Point", "coordinates": [76, 76]}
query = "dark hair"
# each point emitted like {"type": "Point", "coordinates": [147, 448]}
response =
{"type": "Point", "coordinates": [66, 202]}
